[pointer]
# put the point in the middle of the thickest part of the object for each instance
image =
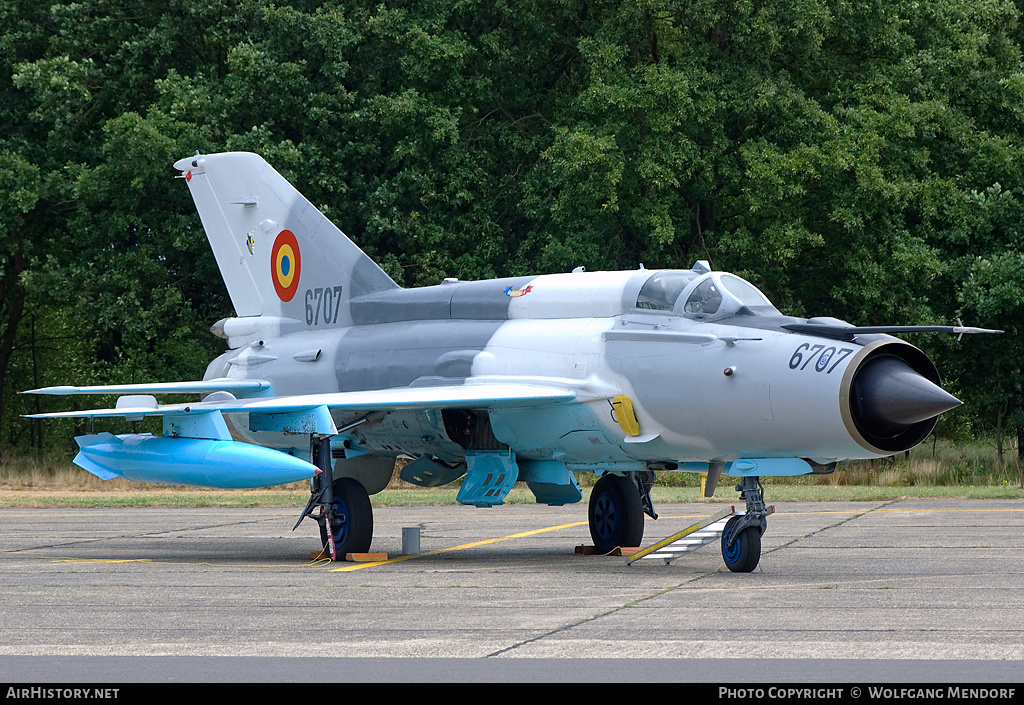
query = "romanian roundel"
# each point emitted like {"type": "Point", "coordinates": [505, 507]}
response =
{"type": "Point", "coordinates": [285, 265]}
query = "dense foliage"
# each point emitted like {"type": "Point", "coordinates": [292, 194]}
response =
{"type": "Point", "coordinates": [853, 159]}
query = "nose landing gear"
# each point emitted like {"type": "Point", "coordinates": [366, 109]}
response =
{"type": "Point", "coordinates": [741, 539]}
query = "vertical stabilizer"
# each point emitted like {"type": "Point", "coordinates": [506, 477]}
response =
{"type": "Point", "coordinates": [278, 254]}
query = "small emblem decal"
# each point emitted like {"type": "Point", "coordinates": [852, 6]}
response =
{"type": "Point", "coordinates": [285, 265]}
{"type": "Point", "coordinates": [517, 292]}
{"type": "Point", "coordinates": [188, 177]}
{"type": "Point", "coordinates": [249, 241]}
{"type": "Point", "coordinates": [823, 359]}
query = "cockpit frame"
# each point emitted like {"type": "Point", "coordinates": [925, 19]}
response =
{"type": "Point", "coordinates": [701, 295]}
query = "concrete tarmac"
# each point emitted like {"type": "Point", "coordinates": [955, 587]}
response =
{"type": "Point", "coordinates": [918, 582]}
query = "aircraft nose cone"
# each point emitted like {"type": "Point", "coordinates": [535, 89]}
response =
{"type": "Point", "coordinates": [889, 396]}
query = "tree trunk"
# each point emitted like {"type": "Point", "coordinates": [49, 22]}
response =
{"type": "Point", "coordinates": [12, 306]}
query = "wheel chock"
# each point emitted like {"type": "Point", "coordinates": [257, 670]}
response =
{"type": "Point", "coordinates": [617, 551]}
{"type": "Point", "coordinates": [362, 557]}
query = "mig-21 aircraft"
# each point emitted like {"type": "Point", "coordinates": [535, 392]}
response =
{"type": "Point", "coordinates": [333, 371]}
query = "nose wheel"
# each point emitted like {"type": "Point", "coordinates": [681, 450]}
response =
{"type": "Point", "coordinates": [741, 539]}
{"type": "Point", "coordinates": [741, 550]}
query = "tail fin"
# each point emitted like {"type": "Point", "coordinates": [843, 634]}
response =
{"type": "Point", "coordinates": [278, 254]}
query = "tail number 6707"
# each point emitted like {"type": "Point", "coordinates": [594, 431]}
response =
{"type": "Point", "coordinates": [325, 301]}
{"type": "Point", "coordinates": [806, 352]}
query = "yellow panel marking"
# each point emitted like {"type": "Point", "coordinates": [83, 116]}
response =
{"type": "Point", "coordinates": [464, 546]}
{"type": "Point", "coordinates": [624, 415]}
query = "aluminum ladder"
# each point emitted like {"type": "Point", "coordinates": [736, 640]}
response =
{"type": "Point", "coordinates": [689, 539]}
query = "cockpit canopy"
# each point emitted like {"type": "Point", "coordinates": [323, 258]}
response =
{"type": "Point", "coordinates": [698, 293]}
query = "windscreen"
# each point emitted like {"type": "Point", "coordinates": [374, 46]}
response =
{"type": "Point", "coordinates": [744, 291]}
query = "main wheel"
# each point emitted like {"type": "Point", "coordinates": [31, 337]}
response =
{"type": "Point", "coordinates": [745, 553]}
{"type": "Point", "coordinates": [616, 514]}
{"type": "Point", "coordinates": [352, 506]}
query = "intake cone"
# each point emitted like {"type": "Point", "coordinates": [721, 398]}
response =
{"type": "Point", "coordinates": [889, 396]}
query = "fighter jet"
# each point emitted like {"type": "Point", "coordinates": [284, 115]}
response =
{"type": "Point", "coordinates": [333, 372]}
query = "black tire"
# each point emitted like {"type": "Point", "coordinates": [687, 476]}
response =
{"type": "Point", "coordinates": [352, 504]}
{"type": "Point", "coordinates": [616, 514]}
{"type": "Point", "coordinates": [745, 553]}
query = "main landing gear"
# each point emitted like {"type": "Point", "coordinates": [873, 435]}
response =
{"type": "Point", "coordinates": [345, 516]}
{"type": "Point", "coordinates": [351, 518]}
{"type": "Point", "coordinates": [618, 503]}
{"type": "Point", "coordinates": [617, 507]}
{"type": "Point", "coordinates": [741, 539]}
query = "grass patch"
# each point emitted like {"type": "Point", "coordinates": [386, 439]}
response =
{"type": "Point", "coordinates": [934, 470]}
{"type": "Point", "coordinates": [296, 499]}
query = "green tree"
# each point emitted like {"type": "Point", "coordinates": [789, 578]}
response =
{"type": "Point", "coordinates": [845, 157]}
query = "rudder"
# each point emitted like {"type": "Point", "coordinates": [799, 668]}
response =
{"type": "Point", "coordinates": [278, 254]}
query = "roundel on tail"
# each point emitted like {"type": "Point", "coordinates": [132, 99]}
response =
{"type": "Point", "coordinates": [285, 265]}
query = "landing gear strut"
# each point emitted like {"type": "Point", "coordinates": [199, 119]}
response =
{"type": "Point", "coordinates": [741, 539]}
{"type": "Point", "coordinates": [345, 517]}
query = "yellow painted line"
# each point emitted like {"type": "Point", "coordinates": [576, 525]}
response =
{"type": "Point", "coordinates": [464, 546]}
{"type": "Point", "coordinates": [157, 561]}
{"type": "Point", "coordinates": [701, 516]}
{"type": "Point", "coordinates": [861, 509]}
{"type": "Point", "coordinates": [950, 511]}
{"type": "Point", "coordinates": [102, 560]}
{"type": "Point", "coordinates": [904, 510]}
